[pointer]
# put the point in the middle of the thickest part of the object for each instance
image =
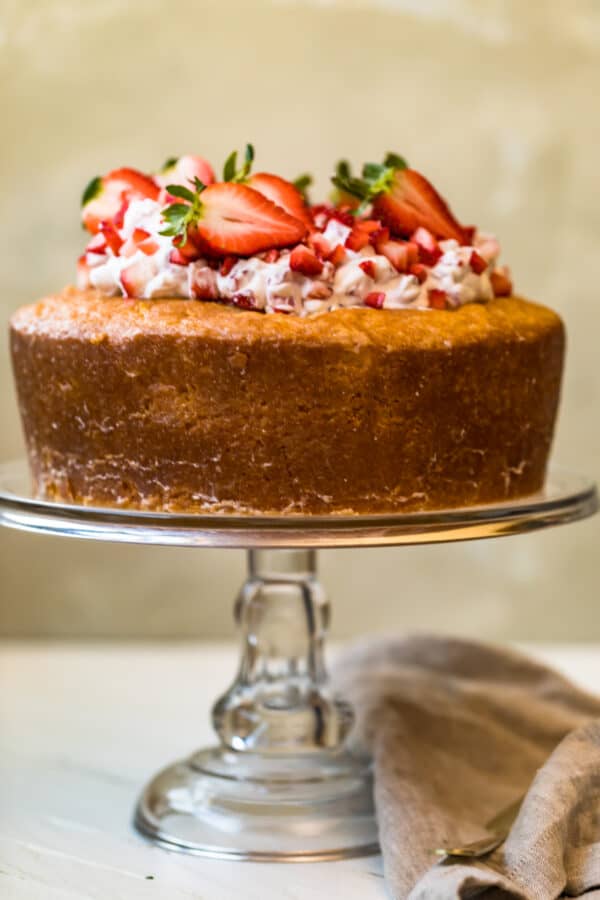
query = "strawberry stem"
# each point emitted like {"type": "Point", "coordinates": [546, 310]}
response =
{"type": "Point", "coordinates": [231, 173]}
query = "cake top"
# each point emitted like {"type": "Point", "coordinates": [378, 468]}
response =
{"type": "Point", "coordinates": [253, 240]}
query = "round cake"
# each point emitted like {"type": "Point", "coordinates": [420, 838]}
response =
{"type": "Point", "coordinates": [365, 397]}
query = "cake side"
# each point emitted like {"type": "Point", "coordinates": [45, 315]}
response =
{"type": "Point", "coordinates": [172, 405]}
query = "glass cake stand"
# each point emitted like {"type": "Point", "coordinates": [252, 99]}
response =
{"type": "Point", "coordinates": [281, 785]}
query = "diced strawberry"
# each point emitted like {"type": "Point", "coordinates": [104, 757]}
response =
{"type": "Point", "coordinates": [369, 225]}
{"type": "Point", "coordinates": [227, 265]}
{"type": "Point", "coordinates": [368, 267]}
{"type": "Point", "coordinates": [419, 271]}
{"type": "Point", "coordinates": [183, 171]}
{"type": "Point", "coordinates": [111, 236]}
{"type": "Point", "coordinates": [244, 300]}
{"type": "Point", "coordinates": [149, 247]}
{"type": "Point", "coordinates": [338, 255]}
{"type": "Point", "coordinates": [97, 244]}
{"type": "Point", "coordinates": [104, 197]}
{"type": "Point", "coordinates": [139, 235]}
{"type": "Point", "coordinates": [477, 262]}
{"type": "Point", "coordinates": [397, 252]}
{"type": "Point", "coordinates": [203, 283]}
{"type": "Point", "coordinates": [177, 258]}
{"type": "Point", "coordinates": [119, 217]}
{"type": "Point", "coordinates": [234, 218]}
{"type": "Point", "coordinates": [322, 213]}
{"type": "Point", "coordinates": [283, 193]}
{"type": "Point", "coordinates": [135, 277]}
{"type": "Point", "coordinates": [412, 250]}
{"type": "Point", "coordinates": [375, 299]}
{"type": "Point", "coordinates": [83, 273]}
{"type": "Point", "coordinates": [412, 201]}
{"type": "Point", "coordinates": [189, 249]}
{"type": "Point", "coordinates": [437, 299]}
{"type": "Point", "coordinates": [501, 283]}
{"type": "Point", "coordinates": [381, 236]}
{"type": "Point", "coordinates": [271, 256]}
{"type": "Point", "coordinates": [320, 245]}
{"type": "Point", "coordinates": [357, 239]}
{"type": "Point", "coordinates": [304, 260]}
{"type": "Point", "coordinates": [429, 249]}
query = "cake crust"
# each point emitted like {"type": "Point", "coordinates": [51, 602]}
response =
{"type": "Point", "coordinates": [181, 405]}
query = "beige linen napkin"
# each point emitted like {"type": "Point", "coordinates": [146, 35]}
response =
{"type": "Point", "coordinates": [458, 731]}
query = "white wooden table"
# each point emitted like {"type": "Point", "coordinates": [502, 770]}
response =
{"type": "Point", "coordinates": [82, 726]}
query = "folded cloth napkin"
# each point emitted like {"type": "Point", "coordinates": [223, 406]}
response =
{"type": "Point", "coordinates": [458, 731]}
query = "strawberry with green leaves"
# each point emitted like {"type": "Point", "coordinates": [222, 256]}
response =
{"type": "Point", "coordinates": [107, 196]}
{"type": "Point", "coordinates": [228, 218]}
{"type": "Point", "coordinates": [401, 198]}
{"type": "Point", "coordinates": [285, 194]}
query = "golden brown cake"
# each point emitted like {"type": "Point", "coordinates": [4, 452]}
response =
{"type": "Point", "coordinates": [172, 404]}
{"type": "Point", "coordinates": [231, 347]}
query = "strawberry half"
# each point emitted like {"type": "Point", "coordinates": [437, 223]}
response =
{"type": "Point", "coordinates": [411, 201]}
{"type": "Point", "coordinates": [183, 171]}
{"type": "Point", "coordinates": [104, 197]}
{"type": "Point", "coordinates": [283, 194]}
{"type": "Point", "coordinates": [230, 218]}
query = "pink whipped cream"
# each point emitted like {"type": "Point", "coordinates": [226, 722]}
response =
{"type": "Point", "coordinates": [267, 282]}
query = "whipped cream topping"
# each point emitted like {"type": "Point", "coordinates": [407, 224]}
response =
{"type": "Point", "coordinates": [267, 282]}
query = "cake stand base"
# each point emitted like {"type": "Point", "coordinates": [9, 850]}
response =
{"type": "Point", "coordinates": [244, 806]}
{"type": "Point", "coordinates": [284, 784]}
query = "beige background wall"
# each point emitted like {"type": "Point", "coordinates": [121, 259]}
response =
{"type": "Point", "coordinates": [497, 101]}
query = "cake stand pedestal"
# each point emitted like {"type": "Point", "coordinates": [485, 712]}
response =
{"type": "Point", "coordinates": [281, 785]}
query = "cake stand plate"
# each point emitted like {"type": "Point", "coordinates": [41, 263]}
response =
{"type": "Point", "coordinates": [566, 497]}
{"type": "Point", "coordinates": [283, 784]}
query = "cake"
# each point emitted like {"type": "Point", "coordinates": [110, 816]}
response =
{"type": "Point", "coordinates": [231, 348]}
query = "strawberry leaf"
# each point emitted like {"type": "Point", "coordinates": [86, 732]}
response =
{"type": "Point", "coordinates": [178, 190]}
{"type": "Point", "coordinates": [178, 217]}
{"type": "Point", "coordinates": [231, 173]}
{"type": "Point", "coordinates": [170, 163]}
{"type": "Point", "coordinates": [92, 190]}
{"type": "Point", "coordinates": [302, 184]}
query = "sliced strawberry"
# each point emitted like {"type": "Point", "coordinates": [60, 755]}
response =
{"type": "Point", "coordinates": [368, 267]}
{"type": "Point", "coordinates": [111, 236]}
{"type": "Point", "coordinates": [501, 283]}
{"type": "Point", "coordinates": [283, 194]}
{"type": "Point", "coordinates": [104, 197]}
{"type": "Point", "coordinates": [135, 276]}
{"type": "Point", "coordinates": [412, 201]}
{"type": "Point", "coordinates": [375, 299]}
{"type": "Point", "coordinates": [429, 249]}
{"type": "Point", "coordinates": [419, 271]}
{"type": "Point", "coordinates": [304, 260]}
{"type": "Point", "coordinates": [477, 262]}
{"type": "Point", "coordinates": [437, 299]}
{"type": "Point", "coordinates": [234, 218]}
{"type": "Point", "coordinates": [183, 171]}
{"type": "Point", "coordinates": [83, 273]}
{"type": "Point", "coordinates": [188, 249]}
